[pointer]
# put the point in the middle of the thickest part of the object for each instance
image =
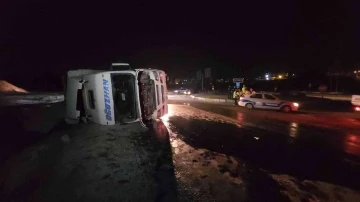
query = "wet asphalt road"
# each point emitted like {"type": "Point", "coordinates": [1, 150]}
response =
{"type": "Point", "coordinates": [307, 146]}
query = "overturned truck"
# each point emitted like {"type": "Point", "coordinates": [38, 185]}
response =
{"type": "Point", "coordinates": [110, 97]}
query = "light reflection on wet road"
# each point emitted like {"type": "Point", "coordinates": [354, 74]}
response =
{"type": "Point", "coordinates": [263, 141]}
{"type": "Point", "coordinates": [326, 132]}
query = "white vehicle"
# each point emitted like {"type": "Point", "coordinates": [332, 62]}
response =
{"type": "Point", "coordinates": [184, 91]}
{"type": "Point", "coordinates": [355, 100]}
{"type": "Point", "coordinates": [267, 101]}
{"type": "Point", "coordinates": [109, 97]}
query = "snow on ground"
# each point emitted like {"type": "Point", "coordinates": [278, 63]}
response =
{"type": "Point", "coordinates": [100, 162]}
{"type": "Point", "coordinates": [202, 175]}
{"type": "Point", "coordinates": [25, 125]}
{"type": "Point", "coordinates": [306, 190]}
{"type": "Point", "coordinates": [91, 162]}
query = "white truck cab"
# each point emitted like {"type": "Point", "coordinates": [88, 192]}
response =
{"type": "Point", "coordinates": [110, 97]}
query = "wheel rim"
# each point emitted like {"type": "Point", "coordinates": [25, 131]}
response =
{"type": "Point", "coordinates": [249, 106]}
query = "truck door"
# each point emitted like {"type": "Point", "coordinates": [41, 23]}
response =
{"type": "Point", "coordinates": [98, 98]}
{"type": "Point", "coordinates": [271, 102]}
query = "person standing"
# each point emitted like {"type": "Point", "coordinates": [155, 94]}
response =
{"type": "Point", "coordinates": [229, 92]}
{"type": "Point", "coordinates": [243, 89]}
{"type": "Point", "coordinates": [236, 95]}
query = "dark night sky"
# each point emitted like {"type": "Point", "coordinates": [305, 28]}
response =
{"type": "Point", "coordinates": [47, 37]}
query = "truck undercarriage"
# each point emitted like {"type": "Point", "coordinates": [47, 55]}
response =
{"type": "Point", "coordinates": [147, 98]}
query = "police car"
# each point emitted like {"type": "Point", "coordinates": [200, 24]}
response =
{"type": "Point", "coordinates": [355, 100]}
{"type": "Point", "coordinates": [267, 101]}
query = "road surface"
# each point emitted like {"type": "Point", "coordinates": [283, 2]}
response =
{"type": "Point", "coordinates": [198, 152]}
{"type": "Point", "coordinates": [264, 155]}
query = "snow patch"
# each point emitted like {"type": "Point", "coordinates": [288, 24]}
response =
{"type": "Point", "coordinates": [312, 190]}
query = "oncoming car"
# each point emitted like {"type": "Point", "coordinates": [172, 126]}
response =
{"type": "Point", "coordinates": [267, 101]}
{"type": "Point", "coordinates": [184, 91]}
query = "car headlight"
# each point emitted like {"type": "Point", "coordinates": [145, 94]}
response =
{"type": "Point", "coordinates": [296, 104]}
{"type": "Point", "coordinates": [176, 91]}
{"type": "Point", "coordinates": [189, 93]}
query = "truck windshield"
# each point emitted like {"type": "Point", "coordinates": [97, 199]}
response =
{"type": "Point", "coordinates": [123, 86]}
